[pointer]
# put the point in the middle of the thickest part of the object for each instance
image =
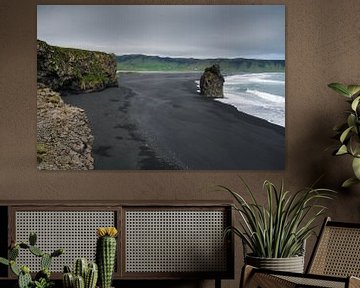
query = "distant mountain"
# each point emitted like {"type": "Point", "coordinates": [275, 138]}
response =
{"type": "Point", "coordinates": [138, 62]}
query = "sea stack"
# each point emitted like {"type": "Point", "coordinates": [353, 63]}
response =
{"type": "Point", "coordinates": [212, 82]}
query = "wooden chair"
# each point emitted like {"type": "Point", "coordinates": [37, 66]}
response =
{"type": "Point", "coordinates": [334, 263]}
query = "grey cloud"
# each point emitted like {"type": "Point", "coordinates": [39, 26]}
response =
{"type": "Point", "coordinates": [207, 31]}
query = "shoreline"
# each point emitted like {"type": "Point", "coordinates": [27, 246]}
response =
{"type": "Point", "coordinates": [237, 99]}
{"type": "Point", "coordinates": [198, 88]}
{"type": "Point", "coordinates": [158, 121]}
{"type": "Point", "coordinates": [157, 72]}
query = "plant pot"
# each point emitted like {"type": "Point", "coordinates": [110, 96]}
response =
{"type": "Point", "coordinates": [291, 264]}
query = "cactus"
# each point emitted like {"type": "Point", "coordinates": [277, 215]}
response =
{"type": "Point", "coordinates": [91, 276]}
{"type": "Point", "coordinates": [36, 251]}
{"type": "Point", "coordinates": [67, 269]}
{"type": "Point", "coordinates": [32, 238]}
{"type": "Point", "coordinates": [79, 282]}
{"type": "Point", "coordinates": [24, 278]}
{"type": "Point", "coordinates": [68, 280]}
{"type": "Point", "coordinates": [45, 261]}
{"type": "Point", "coordinates": [80, 267]}
{"type": "Point", "coordinates": [57, 252]}
{"type": "Point", "coordinates": [13, 253]}
{"type": "Point", "coordinates": [89, 272]}
{"type": "Point", "coordinates": [105, 255]}
{"type": "Point", "coordinates": [25, 269]}
{"type": "Point", "coordinates": [24, 246]}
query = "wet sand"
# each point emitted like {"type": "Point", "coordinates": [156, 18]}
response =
{"type": "Point", "coordinates": [159, 121]}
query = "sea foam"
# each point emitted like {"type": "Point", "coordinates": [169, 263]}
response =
{"type": "Point", "coordinates": [267, 96]}
{"type": "Point", "coordinates": [259, 94]}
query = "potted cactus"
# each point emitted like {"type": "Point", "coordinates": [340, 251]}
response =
{"type": "Point", "coordinates": [106, 254]}
{"type": "Point", "coordinates": [42, 278]}
{"type": "Point", "coordinates": [84, 275]}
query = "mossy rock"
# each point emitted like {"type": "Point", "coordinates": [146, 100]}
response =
{"type": "Point", "coordinates": [41, 151]}
{"type": "Point", "coordinates": [75, 70]}
{"type": "Point", "coordinates": [55, 99]}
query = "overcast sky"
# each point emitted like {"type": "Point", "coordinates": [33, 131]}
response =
{"type": "Point", "coordinates": [205, 31]}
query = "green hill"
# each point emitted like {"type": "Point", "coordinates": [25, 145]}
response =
{"type": "Point", "coordinates": [156, 63]}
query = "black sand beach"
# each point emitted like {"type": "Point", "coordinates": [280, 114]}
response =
{"type": "Point", "coordinates": [159, 121]}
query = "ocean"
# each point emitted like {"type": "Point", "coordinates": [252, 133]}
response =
{"type": "Point", "coordinates": [258, 94]}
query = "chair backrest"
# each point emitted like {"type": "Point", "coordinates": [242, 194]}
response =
{"type": "Point", "coordinates": [337, 251]}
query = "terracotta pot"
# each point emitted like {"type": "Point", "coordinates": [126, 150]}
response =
{"type": "Point", "coordinates": [291, 264]}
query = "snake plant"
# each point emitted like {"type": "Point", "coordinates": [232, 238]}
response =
{"type": "Point", "coordinates": [279, 228]}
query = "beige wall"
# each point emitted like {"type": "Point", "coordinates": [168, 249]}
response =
{"type": "Point", "coordinates": [322, 46]}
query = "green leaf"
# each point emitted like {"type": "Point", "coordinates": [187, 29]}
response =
{"type": "Point", "coordinates": [356, 167]}
{"type": "Point", "coordinates": [355, 103]}
{"type": "Point", "coordinates": [342, 150]}
{"type": "Point", "coordinates": [354, 144]}
{"type": "Point", "coordinates": [279, 228]}
{"type": "Point", "coordinates": [14, 268]}
{"type": "Point", "coordinates": [351, 120]}
{"type": "Point", "coordinates": [353, 89]}
{"type": "Point", "coordinates": [4, 261]}
{"type": "Point", "coordinates": [349, 182]}
{"type": "Point", "coordinates": [345, 134]}
{"type": "Point", "coordinates": [340, 88]}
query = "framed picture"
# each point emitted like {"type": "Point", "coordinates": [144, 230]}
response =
{"type": "Point", "coordinates": [161, 87]}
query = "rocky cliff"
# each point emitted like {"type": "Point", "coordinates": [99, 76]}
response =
{"type": "Point", "coordinates": [211, 82]}
{"type": "Point", "coordinates": [74, 70]}
{"type": "Point", "coordinates": [64, 139]}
